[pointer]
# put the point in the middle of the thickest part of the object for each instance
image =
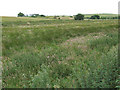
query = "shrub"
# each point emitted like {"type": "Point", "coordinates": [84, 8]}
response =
{"type": "Point", "coordinates": [20, 14]}
{"type": "Point", "coordinates": [42, 15]}
{"type": "Point", "coordinates": [79, 17]}
{"type": "Point", "coordinates": [95, 17]}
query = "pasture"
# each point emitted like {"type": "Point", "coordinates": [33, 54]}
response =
{"type": "Point", "coordinates": [65, 53]}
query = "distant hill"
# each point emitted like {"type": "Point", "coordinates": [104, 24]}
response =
{"type": "Point", "coordinates": [102, 15]}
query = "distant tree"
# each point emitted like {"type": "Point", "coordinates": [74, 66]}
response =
{"type": "Point", "coordinates": [35, 15]}
{"type": "Point", "coordinates": [42, 15]}
{"type": "Point", "coordinates": [20, 14]}
{"type": "Point", "coordinates": [115, 17]}
{"type": "Point", "coordinates": [95, 17]}
{"type": "Point", "coordinates": [79, 17]}
{"type": "Point", "coordinates": [92, 17]}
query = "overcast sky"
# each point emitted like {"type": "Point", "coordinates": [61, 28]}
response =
{"type": "Point", "coordinates": [57, 7]}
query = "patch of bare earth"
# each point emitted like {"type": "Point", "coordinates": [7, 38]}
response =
{"type": "Point", "coordinates": [80, 42]}
{"type": "Point", "coordinates": [83, 39]}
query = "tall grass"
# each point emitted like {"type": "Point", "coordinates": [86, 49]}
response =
{"type": "Point", "coordinates": [60, 53]}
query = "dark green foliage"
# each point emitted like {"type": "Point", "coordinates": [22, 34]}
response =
{"type": "Point", "coordinates": [79, 17]}
{"type": "Point", "coordinates": [20, 14]}
{"type": "Point", "coordinates": [95, 17]}
{"type": "Point", "coordinates": [42, 15]}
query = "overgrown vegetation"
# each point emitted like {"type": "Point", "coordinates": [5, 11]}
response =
{"type": "Point", "coordinates": [53, 53]}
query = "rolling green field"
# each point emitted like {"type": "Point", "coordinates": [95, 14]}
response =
{"type": "Point", "coordinates": [65, 53]}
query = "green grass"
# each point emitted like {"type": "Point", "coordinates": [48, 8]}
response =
{"type": "Point", "coordinates": [59, 53]}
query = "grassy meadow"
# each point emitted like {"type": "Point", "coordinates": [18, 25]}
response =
{"type": "Point", "coordinates": [65, 53]}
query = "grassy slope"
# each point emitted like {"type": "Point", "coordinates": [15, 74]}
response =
{"type": "Point", "coordinates": [59, 53]}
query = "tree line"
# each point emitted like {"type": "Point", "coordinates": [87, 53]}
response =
{"type": "Point", "coordinates": [81, 17]}
{"type": "Point", "coordinates": [20, 14]}
{"type": "Point", "coordinates": [76, 17]}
